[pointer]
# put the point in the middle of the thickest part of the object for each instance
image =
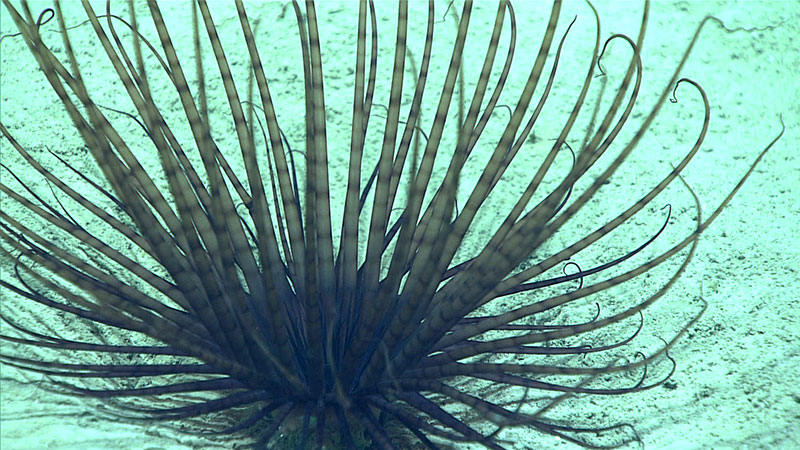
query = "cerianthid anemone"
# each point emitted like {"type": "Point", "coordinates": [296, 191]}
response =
{"type": "Point", "coordinates": [232, 263]}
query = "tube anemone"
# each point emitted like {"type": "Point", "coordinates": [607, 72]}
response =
{"type": "Point", "coordinates": [233, 249]}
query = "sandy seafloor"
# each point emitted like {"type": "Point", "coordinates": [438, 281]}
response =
{"type": "Point", "coordinates": [736, 383]}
